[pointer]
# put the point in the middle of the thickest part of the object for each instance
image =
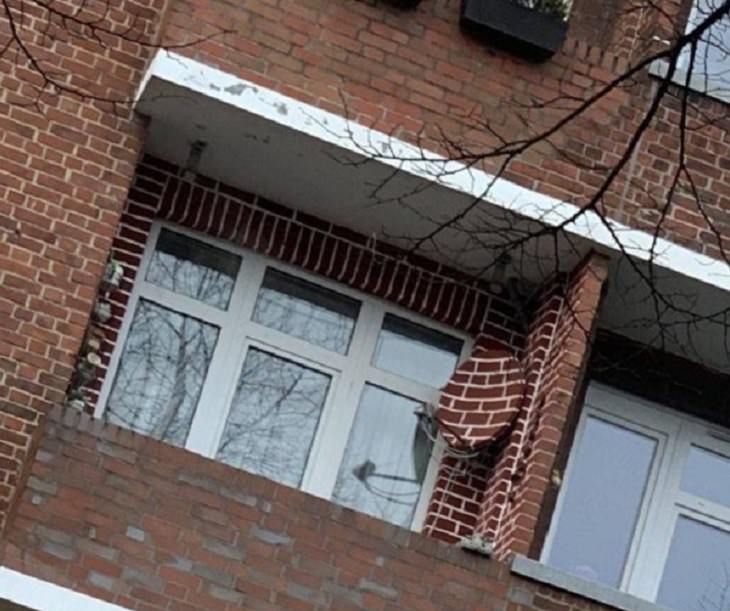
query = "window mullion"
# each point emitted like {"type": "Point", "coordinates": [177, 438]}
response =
{"type": "Point", "coordinates": [319, 357]}
{"type": "Point", "coordinates": [661, 514]}
{"type": "Point", "coordinates": [225, 367]}
{"type": "Point", "coordinates": [429, 483]}
{"type": "Point", "coordinates": [337, 419]}
{"type": "Point", "coordinates": [401, 385]}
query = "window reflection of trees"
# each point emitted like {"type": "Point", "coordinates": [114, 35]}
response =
{"type": "Point", "coordinates": [193, 269]}
{"type": "Point", "coordinates": [300, 309]}
{"type": "Point", "coordinates": [161, 373]}
{"type": "Point", "coordinates": [273, 417]}
{"type": "Point", "coordinates": [716, 596]}
{"type": "Point", "coordinates": [275, 412]}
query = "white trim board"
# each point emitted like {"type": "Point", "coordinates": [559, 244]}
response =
{"type": "Point", "coordinates": [45, 596]}
{"type": "Point", "coordinates": [334, 129]}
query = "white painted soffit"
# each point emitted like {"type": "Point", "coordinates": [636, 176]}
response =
{"type": "Point", "coordinates": [334, 129]}
{"type": "Point", "coordinates": [45, 596]}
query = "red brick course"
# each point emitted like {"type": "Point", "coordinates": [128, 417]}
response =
{"type": "Point", "coordinates": [500, 495]}
{"type": "Point", "coordinates": [479, 408]}
{"type": "Point", "coordinates": [148, 526]}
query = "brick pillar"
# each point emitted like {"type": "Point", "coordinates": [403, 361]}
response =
{"type": "Point", "coordinates": [508, 454]}
{"type": "Point", "coordinates": [509, 413]}
{"type": "Point", "coordinates": [556, 356]}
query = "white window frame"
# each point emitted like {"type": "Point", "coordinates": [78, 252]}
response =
{"type": "Point", "coordinates": [712, 87]}
{"type": "Point", "coordinates": [663, 500]}
{"type": "Point", "coordinates": [349, 373]}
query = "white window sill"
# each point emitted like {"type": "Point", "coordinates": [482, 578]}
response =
{"type": "Point", "coordinates": [46, 596]}
{"type": "Point", "coordinates": [596, 592]}
{"type": "Point", "coordinates": [713, 88]}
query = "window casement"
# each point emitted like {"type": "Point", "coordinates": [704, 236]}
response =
{"type": "Point", "coordinates": [252, 362]}
{"type": "Point", "coordinates": [710, 68]}
{"type": "Point", "coordinates": [645, 504]}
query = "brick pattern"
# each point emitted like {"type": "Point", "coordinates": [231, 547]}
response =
{"type": "Point", "coordinates": [213, 208]}
{"type": "Point", "coordinates": [547, 433]}
{"type": "Point", "coordinates": [148, 526]}
{"type": "Point", "coordinates": [415, 75]}
{"type": "Point", "coordinates": [505, 468]}
{"type": "Point", "coordinates": [64, 174]}
{"type": "Point", "coordinates": [160, 193]}
{"type": "Point", "coordinates": [482, 398]}
{"type": "Point", "coordinates": [478, 407]}
{"type": "Point", "coordinates": [65, 167]}
{"type": "Point", "coordinates": [504, 495]}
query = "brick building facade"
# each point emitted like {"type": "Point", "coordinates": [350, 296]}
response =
{"type": "Point", "coordinates": [206, 239]}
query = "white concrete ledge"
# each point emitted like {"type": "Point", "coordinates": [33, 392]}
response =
{"type": "Point", "coordinates": [45, 596]}
{"type": "Point", "coordinates": [525, 567]}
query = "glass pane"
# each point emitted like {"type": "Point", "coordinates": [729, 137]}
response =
{"type": "Point", "coordinates": [697, 572]}
{"type": "Point", "coordinates": [193, 268]}
{"type": "Point", "coordinates": [273, 417]}
{"type": "Point", "coordinates": [712, 62]}
{"type": "Point", "coordinates": [416, 352]}
{"type": "Point", "coordinates": [305, 310]}
{"type": "Point", "coordinates": [602, 501]}
{"type": "Point", "coordinates": [161, 373]}
{"type": "Point", "coordinates": [386, 458]}
{"type": "Point", "coordinates": [707, 474]}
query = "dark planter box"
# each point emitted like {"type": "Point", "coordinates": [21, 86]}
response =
{"type": "Point", "coordinates": [518, 29]}
{"type": "Point", "coordinates": [404, 3]}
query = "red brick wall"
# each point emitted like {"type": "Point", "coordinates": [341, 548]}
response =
{"type": "Point", "coordinates": [148, 526]}
{"type": "Point", "coordinates": [65, 167]}
{"type": "Point", "coordinates": [64, 174]}
{"type": "Point", "coordinates": [502, 379]}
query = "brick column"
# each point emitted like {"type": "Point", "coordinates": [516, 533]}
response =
{"type": "Point", "coordinates": [555, 357]}
{"type": "Point", "coordinates": [510, 413]}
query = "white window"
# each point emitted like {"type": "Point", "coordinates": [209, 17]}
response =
{"type": "Point", "coordinates": [645, 505]}
{"type": "Point", "coordinates": [710, 70]}
{"type": "Point", "coordinates": [238, 357]}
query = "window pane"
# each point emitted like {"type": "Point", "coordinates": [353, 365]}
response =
{"type": "Point", "coordinates": [386, 458]}
{"type": "Point", "coordinates": [305, 310]}
{"type": "Point", "coordinates": [697, 573]}
{"type": "Point", "coordinates": [712, 62]}
{"type": "Point", "coordinates": [161, 373]}
{"type": "Point", "coordinates": [193, 268]}
{"type": "Point", "coordinates": [707, 474]}
{"type": "Point", "coordinates": [416, 352]}
{"type": "Point", "coordinates": [602, 501]}
{"type": "Point", "coordinates": [273, 417]}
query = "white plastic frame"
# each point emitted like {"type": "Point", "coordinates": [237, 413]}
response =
{"type": "Point", "coordinates": [349, 373]}
{"type": "Point", "coordinates": [709, 85]}
{"type": "Point", "coordinates": [663, 500]}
